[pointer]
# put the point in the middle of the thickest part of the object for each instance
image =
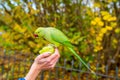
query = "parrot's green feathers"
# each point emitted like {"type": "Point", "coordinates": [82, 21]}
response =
{"type": "Point", "coordinates": [49, 48]}
{"type": "Point", "coordinates": [60, 38]}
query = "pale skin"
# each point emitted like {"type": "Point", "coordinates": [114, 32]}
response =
{"type": "Point", "coordinates": [43, 61]}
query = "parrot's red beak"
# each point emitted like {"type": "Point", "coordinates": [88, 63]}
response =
{"type": "Point", "coordinates": [35, 35]}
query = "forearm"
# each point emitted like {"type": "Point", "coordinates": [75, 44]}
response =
{"type": "Point", "coordinates": [33, 73]}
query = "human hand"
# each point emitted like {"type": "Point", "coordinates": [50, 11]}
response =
{"type": "Point", "coordinates": [43, 61]}
{"type": "Point", "coordinates": [46, 61]}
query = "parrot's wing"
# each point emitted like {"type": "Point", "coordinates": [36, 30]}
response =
{"type": "Point", "coordinates": [59, 37]}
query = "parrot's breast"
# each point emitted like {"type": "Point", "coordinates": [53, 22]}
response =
{"type": "Point", "coordinates": [48, 37]}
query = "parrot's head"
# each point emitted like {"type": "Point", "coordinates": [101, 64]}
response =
{"type": "Point", "coordinates": [39, 32]}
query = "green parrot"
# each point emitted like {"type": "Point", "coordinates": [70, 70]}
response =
{"type": "Point", "coordinates": [57, 38]}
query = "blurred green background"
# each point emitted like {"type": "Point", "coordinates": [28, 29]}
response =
{"type": "Point", "coordinates": [93, 26]}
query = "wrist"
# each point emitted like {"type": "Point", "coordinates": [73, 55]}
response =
{"type": "Point", "coordinates": [36, 67]}
{"type": "Point", "coordinates": [33, 73]}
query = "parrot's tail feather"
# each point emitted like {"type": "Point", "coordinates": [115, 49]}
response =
{"type": "Point", "coordinates": [81, 60]}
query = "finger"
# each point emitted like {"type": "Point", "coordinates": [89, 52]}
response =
{"type": "Point", "coordinates": [52, 58]}
{"type": "Point", "coordinates": [44, 55]}
{"type": "Point", "coordinates": [53, 62]}
{"type": "Point", "coordinates": [45, 60]}
{"type": "Point", "coordinates": [41, 56]}
{"type": "Point", "coordinates": [56, 54]}
{"type": "Point", "coordinates": [56, 51]}
{"type": "Point", "coordinates": [48, 60]}
{"type": "Point", "coordinates": [48, 67]}
{"type": "Point", "coordinates": [41, 61]}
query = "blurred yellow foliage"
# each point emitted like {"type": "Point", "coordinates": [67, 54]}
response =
{"type": "Point", "coordinates": [100, 34]}
{"type": "Point", "coordinates": [99, 28]}
{"type": "Point", "coordinates": [112, 18]}
{"type": "Point", "coordinates": [109, 1]}
{"type": "Point", "coordinates": [97, 19]}
{"type": "Point", "coordinates": [103, 68]}
{"type": "Point", "coordinates": [115, 41]}
{"type": "Point", "coordinates": [103, 30]}
{"type": "Point", "coordinates": [100, 23]}
{"type": "Point", "coordinates": [93, 23]}
{"type": "Point", "coordinates": [31, 44]}
{"type": "Point", "coordinates": [98, 38]}
{"type": "Point", "coordinates": [104, 13]}
{"type": "Point", "coordinates": [107, 17]}
{"type": "Point", "coordinates": [53, 24]}
{"type": "Point", "coordinates": [113, 24]}
{"type": "Point", "coordinates": [114, 0]}
{"type": "Point", "coordinates": [92, 31]}
{"type": "Point", "coordinates": [98, 48]}
{"type": "Point", "coordinates": [108, 28]}
{"type": "Point", "coordinates": [21, 41]}
{"type": "Point", "coordinates": [117, 30]}
{"type": "Point", "coordinates": [17, 36]}
{"type": "Point", "coordinates": [6, 35]}
{"type": "Point", "coordinates": [18, 28]}
{"type": "Point", "coordinates": [97, 5]}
